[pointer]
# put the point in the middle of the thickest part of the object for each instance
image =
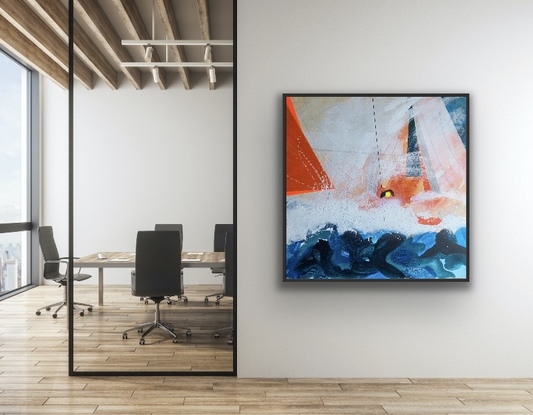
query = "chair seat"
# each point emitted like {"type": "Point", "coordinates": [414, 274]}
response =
{"type": "Point", "coordinates": [77, 277]}
{"type": "Point", "coordinates": [81, 277]}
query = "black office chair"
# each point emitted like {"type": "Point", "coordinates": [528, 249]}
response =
{"type": "Point", "coordinates": [171, 227]}
{"type": "Point", "coordinates": [229, 278]}
{"type": "Point", "coordinates": [174, 227]}
{"type": "Point", "coordinates": [52, 271]}
{"type": "Point", "coordinates": [219, 245]}
{"type": "Point", "coordinates": [157, 275]}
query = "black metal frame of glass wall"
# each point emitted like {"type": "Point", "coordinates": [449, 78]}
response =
{"type": "Point", "coordinates": [70, 284]}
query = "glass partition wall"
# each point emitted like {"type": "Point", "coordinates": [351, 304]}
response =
{"type": "Point", "coordinates": [156, 152]}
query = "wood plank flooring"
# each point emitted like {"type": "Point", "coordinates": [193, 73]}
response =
{"type": "Point", "coordinates": [99, 345]}
{"type": "Point", "coordinates": [34, 380]}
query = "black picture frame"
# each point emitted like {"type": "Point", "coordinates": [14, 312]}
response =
{"type": "Point", "coordinates": [375, 187]}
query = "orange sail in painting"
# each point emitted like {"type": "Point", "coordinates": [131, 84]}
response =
{"type": "Point", "coordinates": [305, 174]}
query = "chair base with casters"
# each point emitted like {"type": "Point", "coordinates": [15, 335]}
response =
{"type": "Point", "coordinates": [169, 300]}
{"type": "Point", "coordinates": [148, 327]}
{"type": "Point", "coordinates": [61, 304]}
{"type": "Point", "coordinates": [217, 333]}
{"type": "Point", "coordinates": [180, 298]}
{"type": "Point", "coordinates": [217, 295]}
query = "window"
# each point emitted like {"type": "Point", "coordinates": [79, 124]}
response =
{"type": "Point", "coordinates": [18, 169]}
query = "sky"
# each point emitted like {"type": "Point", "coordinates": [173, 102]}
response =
{"type": "Point", "coordinates": [10, 143]}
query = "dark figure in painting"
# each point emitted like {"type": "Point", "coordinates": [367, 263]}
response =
{"type": "Point", "coordinates": [383, 247]}
{"type": "Point", "coordinates": [445, 244]}
{"type": "Point", "coordinates": [365, 257]}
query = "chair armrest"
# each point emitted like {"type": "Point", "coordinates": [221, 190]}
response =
{"type": "Point", "coordinates": [54, 261]}
{"type": "Point", "coordinates": [62, 260]}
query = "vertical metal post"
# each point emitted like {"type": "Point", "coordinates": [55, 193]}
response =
{"type": "Point", "coordinates": [70, 280]}
{"type": "Point", "coordinates": [235, 268]}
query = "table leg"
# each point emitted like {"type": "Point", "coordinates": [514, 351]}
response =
{"type": "Point", "coordinates": [100, 286]}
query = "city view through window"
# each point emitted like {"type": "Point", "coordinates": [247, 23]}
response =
{"type": "Point", "coordinates": [14, 171]}
{"type": "Point", "coordinates": [13, 261]}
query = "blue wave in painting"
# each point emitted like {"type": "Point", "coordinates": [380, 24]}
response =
{"type": "Point", "coordinates": [328, 255]}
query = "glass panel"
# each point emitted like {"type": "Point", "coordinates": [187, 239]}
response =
{"type": "Point", "coordinates": [140, 159]}
{"type": "Point", "coordinates": [14, 269]}
{"type": "Point", "coordinates": [13, 141]}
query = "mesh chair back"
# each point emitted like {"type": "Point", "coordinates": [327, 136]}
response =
{"type": "Point", "coordinates": [50, 253]}
{"type": "Point", "coordinates": [157, 264]}
{"type": "Point", "coordinates": [171, 227]}
{"type": "Point", "coordinates": [229, 281]}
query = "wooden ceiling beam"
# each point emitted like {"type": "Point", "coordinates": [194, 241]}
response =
{"type": "Point", "coordinates": [22, 17]}
{"type": "Point", "coordinates": [94, 16]}
{"type": "Point", "coordinates": [18, 44]}
{"type": "Point", "coordinates": [55, 14]}
{"type": "Point", "coordinates": [132, 19]}
{"type": "Point", "coordinates": [203, 12]}
{"type": "Point", "coordinates": [170, 24]}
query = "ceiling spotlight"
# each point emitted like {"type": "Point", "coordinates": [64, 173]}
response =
{"type": "Point", "coordinates": [207, 54]}
{"type": "Point", "coordinates": [212, 75]}
{"type": "Point", "coordinates": [155, 74]}
{"type": "Point", "coordinates": [148, 53]}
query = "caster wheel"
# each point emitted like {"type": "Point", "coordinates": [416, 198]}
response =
{"type": "Point", "coordinates": [139, 330]}
{"type": "Point", "coordinates": [124, 336]}
{"type": "Point", "coordinates": [169, 302]}
{"type": "Point", "coordinates": [82, 313]}
{"type": "Point", "coordinates": [188, 333]}
{"type": "Point", "coordinates": [217, 302]}
{"type": "Point", "coordinates": [90, 309]}
{"type": "Point", "coordinates": [145, 301]}
{"type": "Point", "coordinates": [217, 335]}
{"type": "Point", "coordinates": [47, 308]}
{"type": "Point", "coordinates": [54, 315]}
{"type": "Point", "coordinates": [206, 299]}
{"type": "Point", "coordinates": [186, 300]}
{"type": "Point", "coordinates": [230, 341]}
{"type": "Point", "coordinates": [38, 313]}
{"type": "Point", "coordinates": [174, 340]}
{"type": "Point", "coordinates": [141, 341]}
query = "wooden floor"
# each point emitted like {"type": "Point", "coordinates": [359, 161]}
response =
{"type": "Point", "coordinates": [98, 335]}
{"type": "Point", "coordinates": [34, 380]}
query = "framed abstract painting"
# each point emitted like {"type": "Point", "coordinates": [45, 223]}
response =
{"type": "Point", "coordinates": [376, 187]}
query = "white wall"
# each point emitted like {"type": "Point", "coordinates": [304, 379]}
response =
{"type": "Point", "coordinates": [141, 157]}
{"type": "Point", "coordinates": [482, 328]}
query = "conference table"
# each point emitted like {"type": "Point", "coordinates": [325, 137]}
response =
{"type": "Point", "coordinates": [127, 260]}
